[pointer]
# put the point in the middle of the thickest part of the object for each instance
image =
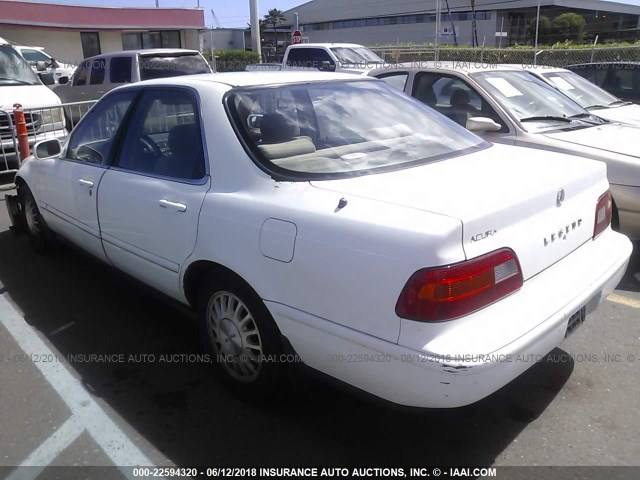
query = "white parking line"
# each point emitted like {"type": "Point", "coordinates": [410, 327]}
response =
{"type": "Point", "coordinates": [628, 302]}
{"type": "Point", "coordinates": [49, 450]}
{"type": "Point", "coordinates": [120, 450]}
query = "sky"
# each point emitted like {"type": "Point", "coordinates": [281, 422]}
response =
{"type": "Point", "coordinates": [230, 13]}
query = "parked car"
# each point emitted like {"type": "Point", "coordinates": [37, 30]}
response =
{"type": "Point", "coordinates": [43, 63]}
{"type": "Point", "coordinates": [506, 104]}
{"type": "Point", "coordinates": [18, 84]}
{"type": "Point", "coordinates": [589, 96]}
{"type": "Point", "coordinates": [328, 57]}
{"type": "Point", "coordinates": [334, 217]}
{"type": "Point", "coordinates": [102, 73]}
{"type": "Point", "coordinates": [621, 79]}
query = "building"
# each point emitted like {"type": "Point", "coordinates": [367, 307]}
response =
{"type": "Point", "coordinates": [71, 33]}
{"type": "Point", "coordinates": [374, 22]}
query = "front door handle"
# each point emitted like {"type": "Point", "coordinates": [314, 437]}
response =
{"type": "Point", "coordinates": [85, 183]}
{"type": "Point", "coordinates": [181, 207]}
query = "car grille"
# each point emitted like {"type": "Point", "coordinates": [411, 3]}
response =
{"type": "Point", "coordinates": [34, 123]}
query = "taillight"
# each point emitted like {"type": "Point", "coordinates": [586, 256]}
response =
{"type": "Point", "coordinates": [444, 293]}
{"type": "Point", "coordinates": [604, 211]}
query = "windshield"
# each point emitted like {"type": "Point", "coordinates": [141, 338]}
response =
{"type": "Point", "coordinates": [14, 70]}
{"type": "Point", "coordinates": [359, 55]}
{"type": "Point", "coordinates": [172, 66]}
{"type": "Point", "coordinates": [337, 129]}
{"type": "Point", "coordinates": [581, 90]}
{"type": "Point", "coordinates": [533, 102]}
{"type": "Point", "coordinates": [35, 56]}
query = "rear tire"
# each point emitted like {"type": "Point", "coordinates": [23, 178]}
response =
{"type": "Point", "coordinates": [39, 234]}
{"type": "Point", "coordinates": [242, 337]}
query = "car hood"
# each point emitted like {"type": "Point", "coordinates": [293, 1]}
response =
{"type": "Point", "coordinates": [611, 137]}
{"type": "Point", "coordinates": [627, 114]}
{"type": "Point", "coordinates": [29, 96]}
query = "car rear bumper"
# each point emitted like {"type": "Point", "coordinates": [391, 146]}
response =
{"type": "Point", "coordinates": [449, 377]}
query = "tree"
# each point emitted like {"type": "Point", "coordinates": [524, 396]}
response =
{"type": "Point", "coordinates": [275, 17]}
{"type": "Point", "coordinates": [568, 26]}
{"type": "Point", "coordinates": [544, 32]}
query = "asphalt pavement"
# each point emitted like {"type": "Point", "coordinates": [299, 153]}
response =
{"type": "Point", "coordinates": [96, 369]}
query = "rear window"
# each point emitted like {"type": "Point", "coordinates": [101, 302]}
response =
{"type": "Point", "coordinates": [342, 129]}
{"type": "Point", "coordinates": [172, 66]}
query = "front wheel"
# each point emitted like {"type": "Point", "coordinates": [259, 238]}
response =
{"type": "Point", "coordinates": [39, 234]}
{"type": "Point", "coordinates": [242, 336]}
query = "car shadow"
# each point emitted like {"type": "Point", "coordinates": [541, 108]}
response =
{"type": "Point", "coordinates": [180, 406]}
{"type": "Point", "coordinates": [631, 280]}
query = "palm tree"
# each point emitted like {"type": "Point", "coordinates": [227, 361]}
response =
{"type": "Point", "coordinates": [474, 28]}
{"type": "Point", "coordinates": [275, 17]}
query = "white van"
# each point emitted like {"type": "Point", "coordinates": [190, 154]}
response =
{"type": "Point", "coordinates": [18, 84]}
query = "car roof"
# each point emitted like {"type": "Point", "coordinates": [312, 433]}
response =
{"type": "Point", "coordinates": [249, 79]}
{"type": "Point", "coordinates": [143, 52]}
{"type": "Point", "coordinates": [448, 66]}
{"type": "Point", "coordinates": [343, 45]}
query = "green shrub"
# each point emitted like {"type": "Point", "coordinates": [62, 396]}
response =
{"type": "Point", "coordinates": [234, 60]}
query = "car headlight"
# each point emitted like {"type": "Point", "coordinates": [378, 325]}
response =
{"type": "Point", "coordinates": [52, 115]}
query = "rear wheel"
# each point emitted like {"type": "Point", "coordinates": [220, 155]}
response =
{"type": "Point", "coordinates": [242, 337]}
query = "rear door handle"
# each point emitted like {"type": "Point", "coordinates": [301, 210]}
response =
{"type": "Point", "coordinates": [181, 207]}
{"type": "Point", "coordinates": [85, 183]}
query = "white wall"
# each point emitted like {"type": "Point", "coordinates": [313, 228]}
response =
{"type": "Point", "coordinates": [110, 41]}
{"type": "Point", "coordinates": [63, 45]}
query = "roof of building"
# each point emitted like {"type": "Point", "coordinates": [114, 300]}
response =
{"type": "Point", "coordinates": [331, 10]}
{"type": "Point", "coordinates": [49, 15]}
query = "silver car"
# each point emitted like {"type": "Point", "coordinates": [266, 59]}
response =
{"type": "Point", "coordinates": [506, 104]}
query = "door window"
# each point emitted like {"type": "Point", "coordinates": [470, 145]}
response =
{"type": "Point", "coordinates": [98, 68]}
{"type": "Point", "coordinates": [164, 137]}
{"type": "Point", "coordinates": [120, 70]}
{"type": "Point", "coordinates": [93, 140]}
{"type": "Point", "coordinates": [308, 57]}
{"type": "Point", "coordinates": [81, 75]}
{"type": "Point", "coordinates": [397, 79]}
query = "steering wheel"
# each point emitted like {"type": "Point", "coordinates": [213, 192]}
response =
{"type": "Point", "coordinates": [150, 146]}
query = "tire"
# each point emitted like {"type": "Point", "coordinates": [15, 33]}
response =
{"type": "Point", "coordinates": [240, 334]}
{"type": "Point", "coordinates": [39, 234]}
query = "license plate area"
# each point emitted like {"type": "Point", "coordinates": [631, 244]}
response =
{"type": "Point", "coordinates": [575, 321]}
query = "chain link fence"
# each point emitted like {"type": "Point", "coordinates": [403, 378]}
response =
{"type": "Point", "coordinates": [553, 57]}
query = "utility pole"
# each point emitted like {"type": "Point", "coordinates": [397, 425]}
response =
{"type": "Point", "coordinates": [157, 3]}
{"type": "Point", "coordinates": [297, 20]}
{"type": "Point", "coordinates": [474, 27]}
{"type": "Point", "coordinates": [213, 50]}
{"type": "Point", "coordinates": [453, 27]}
{"type": "Point", "coordinates": [437, 39]}
{"type": "Point", "coordinates": [255, 29]}
{"type": "Point", "coordinates": [537, 25]}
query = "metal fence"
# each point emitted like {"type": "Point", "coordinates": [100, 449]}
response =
{"type": "Point", "coordinates": [553, 57]}
{"type": "Point", "coordinates": [43, 123]}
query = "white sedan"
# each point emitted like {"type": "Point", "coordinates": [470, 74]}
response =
{"type": "Point", "coordinates": [336, 218]}
{"type": "Point", "coordinates": [589, 95]}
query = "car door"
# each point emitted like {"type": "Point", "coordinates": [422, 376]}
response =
{"type": "Point", "coordinates": [72, 180]}
{"type": "Point", "coordinates": [150, 198]}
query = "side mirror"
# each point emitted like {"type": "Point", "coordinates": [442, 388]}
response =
{"type": "Point", "coordinates": [327, 66]}
{"type": "Point", "coordinates": [41, 66]}
{"type": "Point", "coordinates": [47, 149]}
{"type": "Point", "coordinates": [482, 124]}
{"type": "Point", "coordinates": [47, 78]}
{"type": "Point", "coordinates": [63, 80]}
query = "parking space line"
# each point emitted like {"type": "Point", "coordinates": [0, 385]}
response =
{"type": "Point", "coordinates": [48, 450]}
{"type": "Point", "coordinates": [117, 446]}
{"type": "Point", "coordinates": [628, 302]}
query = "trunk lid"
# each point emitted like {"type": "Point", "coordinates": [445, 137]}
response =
{"type": "Point", "coordinates": [504, 196]}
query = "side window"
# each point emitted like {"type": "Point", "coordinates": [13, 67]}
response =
{"type": "Point", "coordinates": [98, 68]}
{"type": "Point", "coordinates": [93, 140]}
{"type": "Point", "coordinates": [164, 137]}
{"type": "Point", "coordinates": [120, 69]}
{"type": "Point", "coordinates": [81, 74]}
{"type": "Point", "coordinates": [308, 57]}
{"type": "Point", "coordinates": [397, 79]}
{"type": "Point", "coordinates": [454, 98]}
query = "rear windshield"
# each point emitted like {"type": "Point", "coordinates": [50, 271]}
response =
{"type": "Point", "coordinates": [172, 66]}
{"type": "Point", "coordinates": [340, 129]}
